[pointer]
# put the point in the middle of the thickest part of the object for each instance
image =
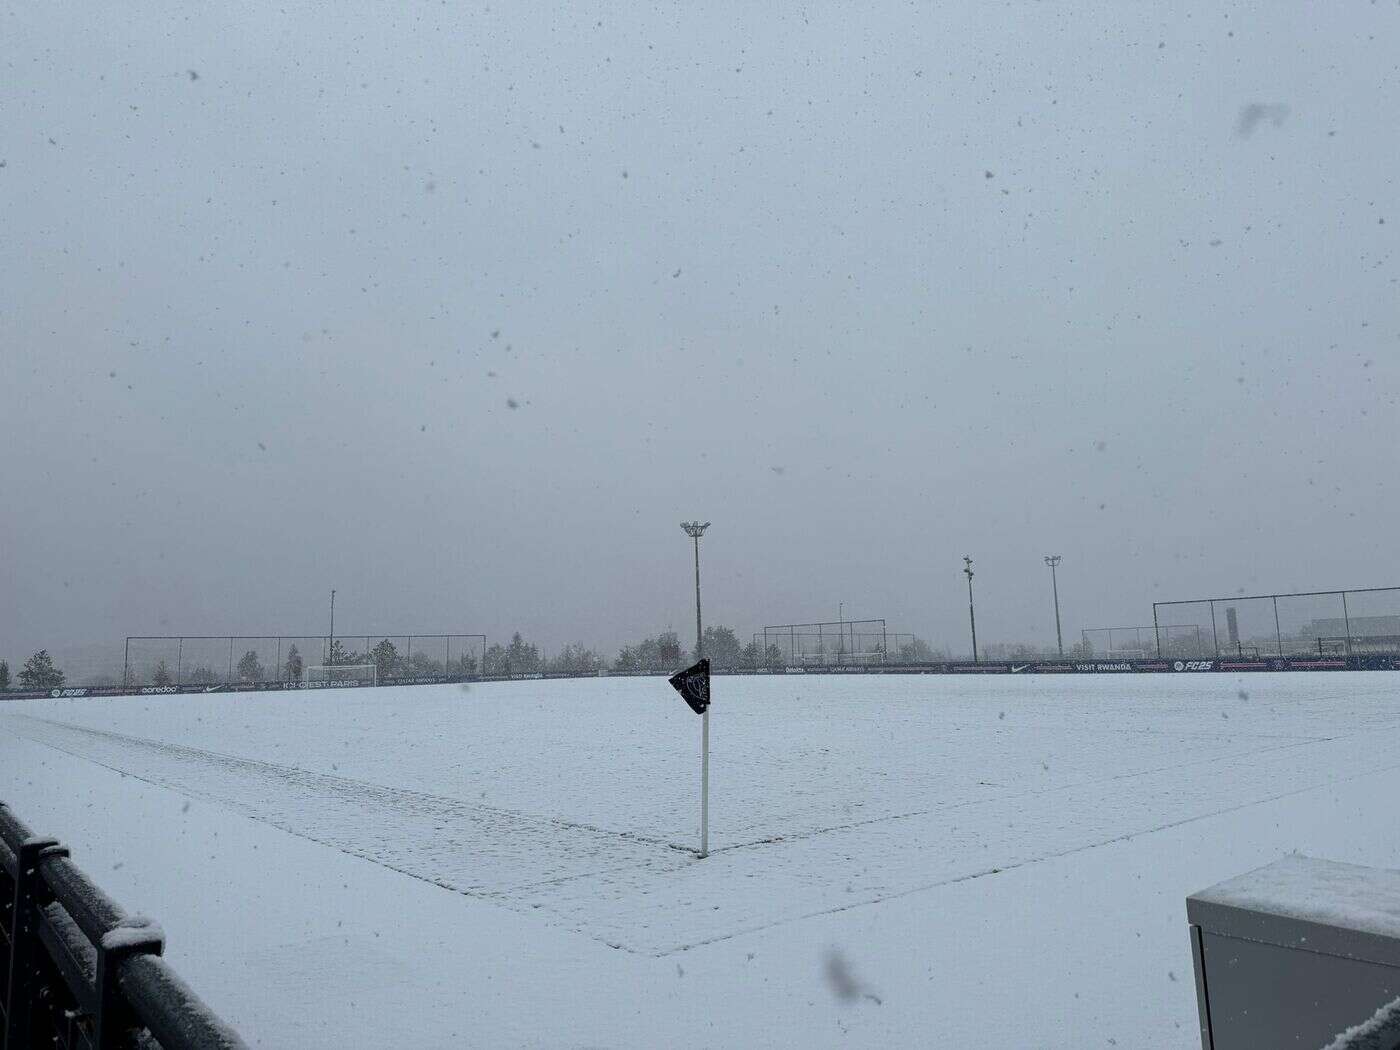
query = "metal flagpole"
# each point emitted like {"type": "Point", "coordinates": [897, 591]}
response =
{"type": "Point", "coordinates": [705, 784]}
{"type": "Point", "coordinates": [694, 686]}
{"type": "Point", "coordinates": [695, 530]}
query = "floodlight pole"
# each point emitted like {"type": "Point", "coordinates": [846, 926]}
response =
{"type": "Point", "coordinates": [971, 614]}
{"type": "Point", "coordinates": [1053, 560]}
{"type": "Point", "coordinates": [695, 530]}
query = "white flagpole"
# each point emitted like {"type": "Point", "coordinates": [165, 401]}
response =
{"type": "Point", "coordinates": [696, 529]}
{"type": "Point", "coordinates": [705, 784]}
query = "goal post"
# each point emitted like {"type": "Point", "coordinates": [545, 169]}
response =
{"type": "Point", "coordinates": [827, 643]}
{"type": "Point", "coordinates": [326, 676]}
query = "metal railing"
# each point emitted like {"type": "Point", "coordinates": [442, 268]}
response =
{"type": "Point", "coordinates": [1380, 1031]}
{"type": "Point", "coordinates": [76, 971]}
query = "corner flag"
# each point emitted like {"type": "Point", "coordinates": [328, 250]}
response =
{"type": "Point", "coordinates": [694, 685]}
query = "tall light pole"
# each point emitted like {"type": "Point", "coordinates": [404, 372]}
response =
{"type": "Point", "coordinates": [1053, 560]}
{"type": "Point", "coordinates": [695, 530]}
{"type": "Point", "coordinates": [971, 615]}
{"type": "Point", "coordinates": [330, 656]}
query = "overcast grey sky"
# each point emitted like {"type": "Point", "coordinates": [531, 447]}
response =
{"type": "Point", "coordinates": [868, 286]}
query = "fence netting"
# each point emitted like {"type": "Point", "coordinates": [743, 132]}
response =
{"type": "Point", "coordinates": [841, 642]}
{"type": "Point", "coordinates": [284, 659]}
{"type": "Point", "coordinates": [1184, 640]}
{"type": "Point", "coordinates": [1325, 623]}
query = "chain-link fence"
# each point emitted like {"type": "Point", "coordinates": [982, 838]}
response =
{"type": "Point", "coordinates": [1185, 640]}
{"type": "Point", "coordinates": [1310, 623]}
{"type": "Point", "coordinates": [818, 644]}
{"type": "Point", "coordinates": [268, 659]}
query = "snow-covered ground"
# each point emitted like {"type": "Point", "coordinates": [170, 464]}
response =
{"type": "Point", "coordinates": [896, 861]}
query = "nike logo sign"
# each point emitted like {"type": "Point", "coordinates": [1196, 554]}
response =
{"type": "Point", "coordinates": [1018, 670]}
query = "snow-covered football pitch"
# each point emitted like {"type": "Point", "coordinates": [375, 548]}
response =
{"type": "Point", "coordinates": [896, 861]}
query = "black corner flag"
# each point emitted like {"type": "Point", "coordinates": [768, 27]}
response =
{"type": "Point", "coordinates": [694, 685]}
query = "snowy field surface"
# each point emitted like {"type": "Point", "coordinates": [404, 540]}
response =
{"type": "Point", "coordinates": [896, 861]}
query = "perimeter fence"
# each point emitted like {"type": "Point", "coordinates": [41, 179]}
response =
{"type": "Point", "coordinates": [161, 660]}
{"type": "Point", "coordinates": [1138, 643]}
{"type": "Point", "coordinates": [830, 643]}
{"type": "Point", "coordinates": [1360, 622]}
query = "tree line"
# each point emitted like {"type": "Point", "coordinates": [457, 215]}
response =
{"type": "Point", "coordinates": [38, 672]}
{"type": "Point", "coordinates": [661, 652]}
{"type": "Point", "coordinates": [388, 662]}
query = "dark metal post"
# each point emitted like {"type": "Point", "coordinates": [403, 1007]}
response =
{"type": "Point", "coordinates": [30, 895]}
{"type": "Point", "coordinates": [699, 630]}
{"type": "Point", "coordinates": [884, 643]}
{"type": "Point", "coordinates": [1278, 631]}
{"type": "Point", "coordinates": [1053, 560]}
{"type": "Point", "coordinates": [971, 613]}
{"type": "Point", "coordinates": [112, 1022]}
{"type": "Point", "coordinates": [1346, 617]}
{"type": "Point", "coordinates": [1214, 634]}
{"type": "Point", "coordinates": [695, 530]}
{"type": "Point", "coordinates": [331, 654]}
{"type": "Point", "coordinates": [179, 661]}
{"type": "Point", "coordinates": [229, 679]}
{"type": "Point", "coordinates": [1156, 630]}
{"type": "Point", "coordinates": [126, 666]}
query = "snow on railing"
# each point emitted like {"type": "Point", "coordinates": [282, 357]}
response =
{"type": "Point", "coordinates": [1380, 1031]}
{"type": "Point", "coordinates": [76, 970]}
